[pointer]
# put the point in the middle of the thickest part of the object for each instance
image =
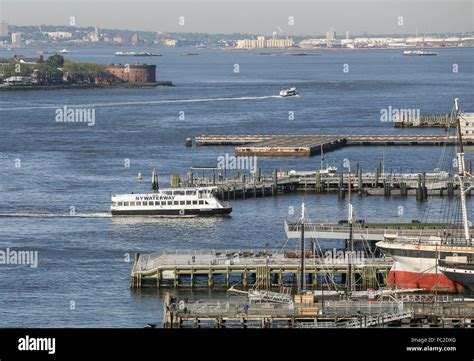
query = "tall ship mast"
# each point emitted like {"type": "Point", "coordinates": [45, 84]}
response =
{"type": "Point", "coordinates": [416, 259]}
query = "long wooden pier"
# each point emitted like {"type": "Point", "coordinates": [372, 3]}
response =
{"type": "Point", "coordinates": [223, 268]}
{"type": "Point", "coordinates": [307, 145]}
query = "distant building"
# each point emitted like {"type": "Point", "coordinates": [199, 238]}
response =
{"type": "Point", "coordinates": [16, 38]}
{"type": "Point", "coordinates": [59, 35]}
{"type": "Point", "coordinates": [467, 126]}
{"type": "Point", "coordinates": [330, 37]}
{"type": "Point", "coordinates": [134, 39]}
{"type": "Point", "coordinates": [261, 43]}
{"type": "Point", "coordinates": [118, 39]}
{"type": "Point", "coordinates": [93, 36]}
{"type": "Point", "coordinates": [4, 30]}
{"type": "Point", "coordinates": [170, 42]}
{"type": "Point", "coordinates": [138, 73]}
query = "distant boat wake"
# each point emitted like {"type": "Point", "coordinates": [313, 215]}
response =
{"type": "Point", "coordinates": [147, 102]}
{"type": "Point", "coordinates": [54, 215]}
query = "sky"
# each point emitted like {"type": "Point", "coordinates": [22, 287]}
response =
{"type": "Point", "coordinates": [288, 17]}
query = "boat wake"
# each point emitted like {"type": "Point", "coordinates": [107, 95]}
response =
{"type": "Point", "coordinates": [147, 102]}
{"type": "Point", "coordinates": [54, 214]}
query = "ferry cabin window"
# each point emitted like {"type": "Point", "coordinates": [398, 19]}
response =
{"type": "Point", "coordinates": [188, 202]}
{"type": "Point", "coordinates": [170, 203]}
{"type": "Point", "coordinates": [125, 204]}
{"type": "Point", "coordinates": [167, 192]}
{"type": "Point", "coordinates": [201, 202]}
{"type": "Point", "coordinates": [179, 193]}
{"type": "Point", "coordinates": [139, 203]}
{"type": "Point", "coordinates": [114, 203]}
{"type": "Point", "coordinates": [120, 204]}
{"type": "Point", "coordinates": [181, 202]}
{"type": "Point", "coordinates": [176, 203]}
{"type": "Point", "coordinates": [195, 202]}
{"type": "Point", "coordinates": [132, 203]}
{"type": "Point", "coordinates": [190, 193]}
{"type": "Point", "coordinates": [157, 203]}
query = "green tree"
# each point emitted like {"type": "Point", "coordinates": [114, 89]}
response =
{"type": "Point", "coordinates": [55, 61]}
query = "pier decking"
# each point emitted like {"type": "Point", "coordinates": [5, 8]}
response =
{"type": "Point", "coordinates": [229, 313]}
{"type": "Point", "coordinates": [306, 145]}
{"type": "Point", "coordinates": [224, 268]}
{"type": "Point", "coordinates": [368, 232]}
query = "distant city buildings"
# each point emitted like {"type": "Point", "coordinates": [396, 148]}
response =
{"type": "Point", "coordinates": [331, 41]}
{"type": "Point", "coordinates": [59, 35]}
{"type": "Point", "coordinates": [261, 43]}
{"type": "Point", "coordinates": [12, 36]}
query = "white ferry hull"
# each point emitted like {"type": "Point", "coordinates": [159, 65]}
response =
{"type": "Point", "coordinates": [174, 212]}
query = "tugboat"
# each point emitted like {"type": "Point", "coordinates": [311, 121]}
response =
{"type": "Point", "coordinates": [288, 92]}
{"type": "Point", "coordinates": [175, 202]}
{"type": "Point", "coordinates": [416, 258]}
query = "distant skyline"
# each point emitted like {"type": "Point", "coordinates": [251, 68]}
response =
{"type": "Point", "coordinates": [244, 16]}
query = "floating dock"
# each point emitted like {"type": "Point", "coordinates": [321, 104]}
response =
{"type": "Point", "coordinates": [221, 269]}
{"type": "Point", "coordinates": [291, 146]}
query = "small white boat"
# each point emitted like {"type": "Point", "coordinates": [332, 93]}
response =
{"type": "Point", "coordinates": [64, 51]}
{"type": "Point", "coordinates": [288, 92]}
{"type": "Point", "coordinates": [328, 170]}
{"type": "Point", "coordinates": [419, 53]}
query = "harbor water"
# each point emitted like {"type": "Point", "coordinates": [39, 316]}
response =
{"type": "Point", "coordinates": [57, 177]}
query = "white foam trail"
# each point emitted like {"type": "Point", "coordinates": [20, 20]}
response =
{"type": "Point", "coordinates": [147, 102]}
{"type": "Point", "coordinates": [53, 215]}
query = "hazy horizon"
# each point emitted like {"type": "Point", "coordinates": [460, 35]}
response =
{"type": "Point", "coordinates": [259, 17]}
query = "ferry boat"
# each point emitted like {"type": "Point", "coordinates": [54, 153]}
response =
{"type": "Point", "coordinates": [416, 258]}
{"type": "Point", "coordinates": [178, 202]}
{"type": "Point", "coordinates": [288, 92]}
{"type": "Point", "coordinates": [64, 51]}
{"type": "Point", "coordinates": [419, 53]}
{"type": "Point", "coordinates": [133, 53]}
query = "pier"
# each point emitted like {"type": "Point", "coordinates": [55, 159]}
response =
{"type": "Point", "coordinates": [224, 268]}
{"type": "Point", "coordinates": [369, 232]}
{"type": "Point", "coordinates": [376, 183]}
{"type": "Point", "coordinates": [425, 121]}
{"type": "Point", "coordinates": [307, 145]}
{"type": "Point", "coordinates": [307, 312]}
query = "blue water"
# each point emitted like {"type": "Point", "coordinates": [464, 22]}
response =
{"type": "Point", "coordinates": [82, 258]}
